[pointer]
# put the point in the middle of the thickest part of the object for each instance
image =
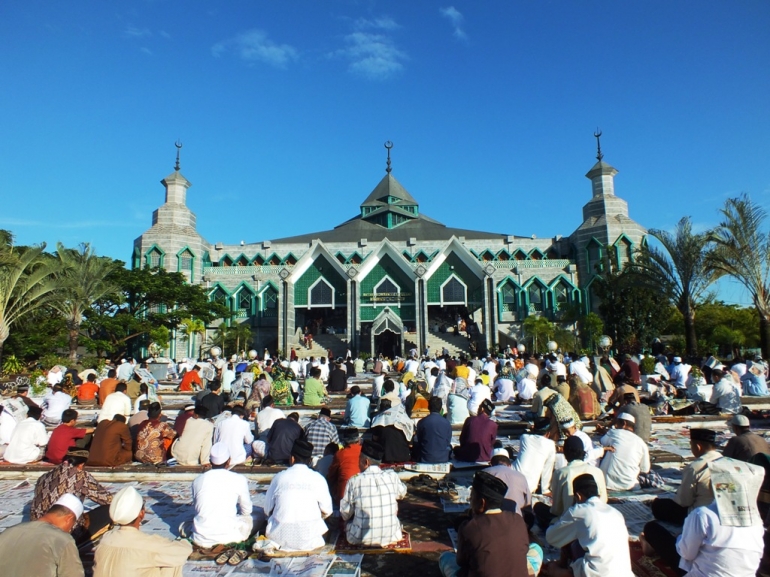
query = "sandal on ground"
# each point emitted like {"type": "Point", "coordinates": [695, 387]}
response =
{"type": "Point", "coordinates": [237, 557]}
{"type": "Point", "coordinates": [224, 557]}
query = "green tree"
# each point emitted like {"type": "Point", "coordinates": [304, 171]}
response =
{"type": "Point", "coordinates": [27, 283]}
{"type": "Point", "coordinates": [591, 327]}
{"type": "Point", "coordinates": [83, 279]}
{"type": "Point", "coordinates": [192, 328]}
{"type": "Point", "coordinates": [679, 272]}
{"type": "Point", "coordinates": [539, 329]}
{"type": "Point", "coordinates": [742, 251]}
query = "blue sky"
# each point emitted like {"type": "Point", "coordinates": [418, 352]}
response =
{"type": "Point", "coordinates": [283, 108]}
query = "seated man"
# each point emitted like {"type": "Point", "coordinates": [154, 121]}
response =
{"type": "Point", "coordinates": [235, 432]}
{"type": "Point", "coordinates": [393, 429]}
{"type": "Point", "coordinates": [153, 438]}
{"type": "Point", "coordinates": [725, 396]}
{"type": "Point", "coordinates": [118, 403]}
{"type": "Point", "coordinates": [44, 547]}
{"type": "Point", "coordinates": [695, 490]}
{"type": "Point", "coordinates": [518, 496]}
{"type": "Point", "coordinates": [745, 444]}
{"type": "Point", "coordinates": [182, 418]}
{"type": "Point", "coordinates": [194, 446]}
{"type": "Point", "coordinates": [391, 393]}
{"type": "Point", "coordinates": [222, 503]}
{"type": "Point", "coordinates": [369, 504]}
{"type": "Point", "coordinates": [127, 552]}
{"type": "Point", "coordinates": [321, 432]}
{"type": "Point", "coordinates": [111, 445]}
{"type": "Point", "coordinates": [266, 416]}
{"type": "Point", "coordinates": [297, 502]}
{"type": "Point", "coordinates": [640, 412]}
{"type": "Point", "coordinates": [537, 455]}
{"type": "Point", "coordinates": [88, 391]}
{"type": "Point", "coordinates": [213, 400]}
{"type": "Point", "coordinates": [315, 392]}
{"type": "Point", "coordinates": [345, 463]}
{"type": "Point", "coordinates": [434, 435]}
{"type": "Point", "coordinates": [138, 418]}
{"type": "Point", "coordinates": [66, 436]}
{"type": "Point", "coordinates": [479, 393]}
{"type": "Point", "coordinates": [54, 404]}
{"type": "Point", "coordinates": [70, 477]}
{"type": "Point", "coordinates": [561, 483]}
{"type": "Point", "coordinates": [493, 541]}
{"type": "Point", "coordinates": [28, 440]}
{"type": "Point", "coordinates": [478, 436]}
{"type": "Point", "coordinates": [280, 439]}
{"type": "Point", "coordinates": [357, 409]}
{"type": "Point", "coordinates": [7, 426]}
{"type": "Point", "coordinates": [191, 380]}
{"type": "Point", "coordinates": [628, 455]}
{"type": "Point", "coordinates": [591, 534]}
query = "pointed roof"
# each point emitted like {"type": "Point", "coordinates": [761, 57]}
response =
{"type": "Point", "coordinates": [388, 186]}
{"type": "Point", "coordinates": [601, 167]}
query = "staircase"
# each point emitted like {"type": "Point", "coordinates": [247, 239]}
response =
{"type": "Point", "coordinates": [453, 342]}
{"type": "Point", "coordinates": [321, 345]}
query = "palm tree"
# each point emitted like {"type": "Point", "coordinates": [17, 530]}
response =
{"type": "Point", "coordinates": [84, 278]}
{"type": "Point", "coordinates": [27, 282]}
{"type": "Point", "coordinates": [679, 271]}
{"type": "Point", "coordinates": [241, 335]}
{"type": "Point", "coordinates": [539, 329]}
{"type": "Point", "coordinates": [742, 251]}
{"type": "Point", "coordinates": [190, 328]}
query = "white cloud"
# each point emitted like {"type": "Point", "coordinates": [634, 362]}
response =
{"type": "Point", "coordinates": [146, 50]}
{"type": "Point", "coordinates": [371, 51]}
{"type": "Point", "coordinates": [254, 46]}
{"type": "Point", "coordinates": [456, 19]}
{"type": "Point", "coordinates": [165, 34]}
{"type": "Point", "coordinates": [134, 32]}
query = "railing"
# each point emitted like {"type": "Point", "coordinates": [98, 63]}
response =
{"type": "Point", "coordinates": [547, 263]}
{"type": "Point", "coordinates": [245, 270]}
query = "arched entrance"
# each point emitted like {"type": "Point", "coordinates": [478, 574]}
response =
{"type": "Point", "coordinates": [387, 336]}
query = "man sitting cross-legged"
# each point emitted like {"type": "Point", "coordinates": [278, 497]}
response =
{"type": "Point", "coordinates": [492, 541]}
{"type": "Point", "coordinates": [127, 552]}
{"type": "Point", "coordinates": [369, 502]}
{"type": "Point", "coordinates": [194, 446]}
{"type": "Point", "coordinates": [297, 502]}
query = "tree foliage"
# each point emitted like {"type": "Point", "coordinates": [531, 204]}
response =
{"type": "Point", "coordinates": [539, 330]}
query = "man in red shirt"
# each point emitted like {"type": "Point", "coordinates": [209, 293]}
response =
{"type": "Point", "coordinates": [345, 463]}
{"type": "Point", "coordinates": [107, 386]}
{"type": "Point", "coordinates": [87, 391]}
{"type": "Point", "coordinates": [190, 379]}
{"type": "Point", "coordinates": [66, 436]}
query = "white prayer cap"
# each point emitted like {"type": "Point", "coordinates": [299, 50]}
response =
{"type": "Point", "coordinates": [533, 370]}
{"type": "Point", "coordinates": [72, 503]}
{"type": "Point", "coordinates": [739, 369]}
{"type": "Point", "coordinates": [189, 407]}
{"type": "Point", "coordinates": [126, 506]}
{"type": "Point", "coordinates": [677, 359]}
{"type": "Point", "coordinates": [500, 451]}
{"type": "Point", "coordinates": [585, 360]}
{"type": "Point", "coordinates": [219, 454]}
{"type": "Point", "coordinates": [740, 421]}
{"type": "Point", "coordinates": [627, 417]}
{"type": "Point", "coordinates": [568, 424]}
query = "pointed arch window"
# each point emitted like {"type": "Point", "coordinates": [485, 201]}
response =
{"type": "Point", "coordinates": [454, 292]}
{"type": "Point", "coordinates": [536, 297]}
{"type": "Point", "coordinates": [387, 291]}
{"type": "Point", "coordinates": [185, 261]}
{"type": "Point", "coordinates": [320, 295]}
{"type": "Point", "coordinates": [219, 295]}
{"type": "Point", "coordinates": [154, 258]}
{"type": "Point", "coordinates": [508, 297]}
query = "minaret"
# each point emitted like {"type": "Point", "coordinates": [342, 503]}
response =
{"type": "Point", "coordinates": [602, 175]}
{"type": "Point", "coordinates": [174, 211]}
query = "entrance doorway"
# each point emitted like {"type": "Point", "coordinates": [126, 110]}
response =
{"type": "Point", "coordinates": [387, 334]}
{"type": "Point", "coordinates": [388, 344]}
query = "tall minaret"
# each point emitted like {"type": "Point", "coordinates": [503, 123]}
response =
{"type": "Point", "coordinates": [174, 211]}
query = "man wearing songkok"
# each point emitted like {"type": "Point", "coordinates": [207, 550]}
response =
{"type": "Point", "coordinates": [70, 477]}
{"type": "Point", "coordinates": [593, 454]}
{"type": "Point", "coordinates": [695, 490]}
{"type": "Point", "coordinates": [722, 539]}
{"type": "Point", "coordinates": [222, 503]}
{"type": "Point", "coordinates": [345, 463]}
{"type": "Point", "coordinates": [111, 445]}
{"type": "Point", "coordinates": [745, 444]}
{"type": "Point", "coordinates": [627, 455]}
{"type": "Point", "coordinates": [562, 495]}
{"type": "Point", "coordinates": [297, 502]}
{"type": "Point", "coordinates": [44, 548]}
{"type": "Point", "coordinates": [321, 432]}
{"type": "Point", "coordinates": [518, 496]}
{"type": "Point", "coordinates": [537, 455]}
{"type": "Point", "coordinates": [127, 552]}
{"type": "Point", "coordinates": [153, 438]}
{"type": "Point", "coordinates": [434, 435]}
{"type": "Point", "coordinates": [477, 439]}
{"type": "Point", "coordinates": [28, 440]}
{"type": "Point", "coordinates": [369, 505]}
{"type": "Point", "coordinates": [235, 432]}
{"type": "Point", "coordinates": [492, 542]}
{"type": "Point", "coordinates": [592, 536]}
{"type": "Point", "coordinates": [194, 446]}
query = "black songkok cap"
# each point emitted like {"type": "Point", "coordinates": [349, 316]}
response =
{"type": "Point", "coordinates": [704, 435]}
{"type": "Point", "coordinates": [489, 487]}
{"type": "Point", "coordinates": [541, 424]}
{"type": "Point", "coordinates": [302, 449]}
{"type": "Point", "coordinates": [585, 485]}
{"type": "Point", "coordinates": [373, 451]}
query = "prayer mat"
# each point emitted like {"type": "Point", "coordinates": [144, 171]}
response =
{"type": "Point", "coordinates": [644, 566]}
{"type": "Point", "coordinates": [662, 456]}
{"type": "Point", "coordinates": [402, 546]}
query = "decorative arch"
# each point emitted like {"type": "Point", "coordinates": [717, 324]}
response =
{"type": "Point", "coordinates": [388, 291]}
{"type": "Point", "coordinates": [242, 260]}
{"type": "Point", "coordinates": [220, 294]}
{"type": "Point", "coordinates": [289, 260]}
{"type": "Point", "coordinates": [595, 255]}
{"type": "Point", "coordinates": [185, 261]}
{"type": "Point", "coordinates": [487, 256]}
{"type": "Point", "coordinates": [244, 299]}
{"type": "Point", "coordinates": [273, 260]}
{"type": "Point", "coordinates": [519, 254]}
{"type": "Point", "coordinates": [508, 299]}
{"type": "Point", "coordinates": [453, 291]}
{"type": "Point", "coordinates": [624, 250]}
{"type": "Point", "coordinates": [535, 295]}
{"type": "Point", "coordinates": [154, 256]}
{"type": "Point", "coordinates": [536, 254]}
{"type": "Point", "coordinates": [258, 260]}
{"type": "Point", "coordinates": [320, 294]}
{"type": "Point", "coordinates": [503, 255]}
{"type": "Point", "coordinates": [268, 300]}
{"type": "Point", "coordinates": [226, 260]}
{"type": "Point", "coordinates": [563, 293]}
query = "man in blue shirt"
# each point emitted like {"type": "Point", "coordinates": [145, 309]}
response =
{"type": "Point", "coordinates": [434, 435]}
{"type": "Point", "coordinates": [357, 409]}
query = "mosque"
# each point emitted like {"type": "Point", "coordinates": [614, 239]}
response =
{"type": "Point", "coordinates": [391, 278]}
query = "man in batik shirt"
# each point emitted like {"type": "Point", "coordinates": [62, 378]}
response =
{"type": "Point", "coordinates": [153, 438]}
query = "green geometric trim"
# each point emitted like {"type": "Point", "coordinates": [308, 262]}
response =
{"type": "Point", "coordinates": [154, 248]}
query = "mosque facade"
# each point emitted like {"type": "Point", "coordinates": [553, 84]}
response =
{"type": "Point", "coordinates": [391, 278]}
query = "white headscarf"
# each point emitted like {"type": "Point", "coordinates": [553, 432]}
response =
{"type": "Point", "coordinates": [579, 368]}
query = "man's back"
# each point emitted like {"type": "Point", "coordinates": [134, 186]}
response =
{"type": "Point", "coordinates": [111, 445]}
{"type": "Point", "coordinates": [643, 424]}
{"type": "Point", "coordinates": [39, 549]}
{"type": "Point", "coordinates": [314, 392]}
{"type": "Point", "coordinates": [370, 506]}
{"type": "Point", "coordinates": [214, 404]}
{"type": "Point", "coordinates": [106, 388]}
{"type": "Point", "coordinates": [127, 552]}
{"type": "Point", "coordinates": [357, 412]}
{"type": "Point", "coordinates": [281, 438]}
{"type": "Point", "coordinates": [27, 441]}
{"type": "Point", "coordinates": [219, 496]}
{"type": "Point", "coordinates": [622, 466]}
{"type": "Point", "coordinates": [561, 484]}
{"type": "Point", "coordinates": [518, 488]}
{"type": "Point", "coordinates": [434, 435]}
{"type": "Point", "coordinates": [744, 446]}
{"type": "Point", "coordinates": [537, 455]}
{"type": "Point", "coordinates": [116, 404]}
{"type": "Point", "coordinates": [234, 432]}
{"type": "Point", "coordinates": [493, 544]}
{"type": "Point", "coordinates": [194, 446]}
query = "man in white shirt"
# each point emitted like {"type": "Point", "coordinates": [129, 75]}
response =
{"type": "Point", "coordinates": [504, 390]}
{"type": "Point", "coordinates": [479, 392]}
{"type": "Point", "coordinates": [725, 394]}
{"type": "Point", "coordinates": [117, 403]}
{"type": "Point", "coordinates": [54, 404]}
{"type": "Point", "coordinates": [411, 366]}
{"type": "Point", "coordinates": [297, 502]}
{"type": "Point", "coordinates": [491, 368]}
{"type": "Point", "coordinates": [7, 426]}
{"type": "Point", "coordinates": [592, 535]}
{"type": "Point", "coordinates": [236, 434]}
{"type": "Point", "coordinates": [537, 455]}
{"type": "Point", "coordinates": [324, 366]}
{"type": "Point", "coordinates": [679, 373]}
{"type": "Point", "coordinates": [194, 446]}
{"type": "Point", "coordinates": [228, 376]}
{"type": "Point", "coordinates": [222, 503]}
{"type": "Point", "coordinates": [266, 416]}
{"type": "Point", "coordinates": [126, 369]}
{"type": "Point", "coordinates": [627, 455]}
{"type": "Point", "coordinates": [28, 440]}
{"type": "Point", "coordinates": [527, 386]}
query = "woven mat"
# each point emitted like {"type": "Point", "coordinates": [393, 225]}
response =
{"type": "Point", "coordinates": [644, 566]}
{"type": "Point", "coordinates": [402, 546]}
